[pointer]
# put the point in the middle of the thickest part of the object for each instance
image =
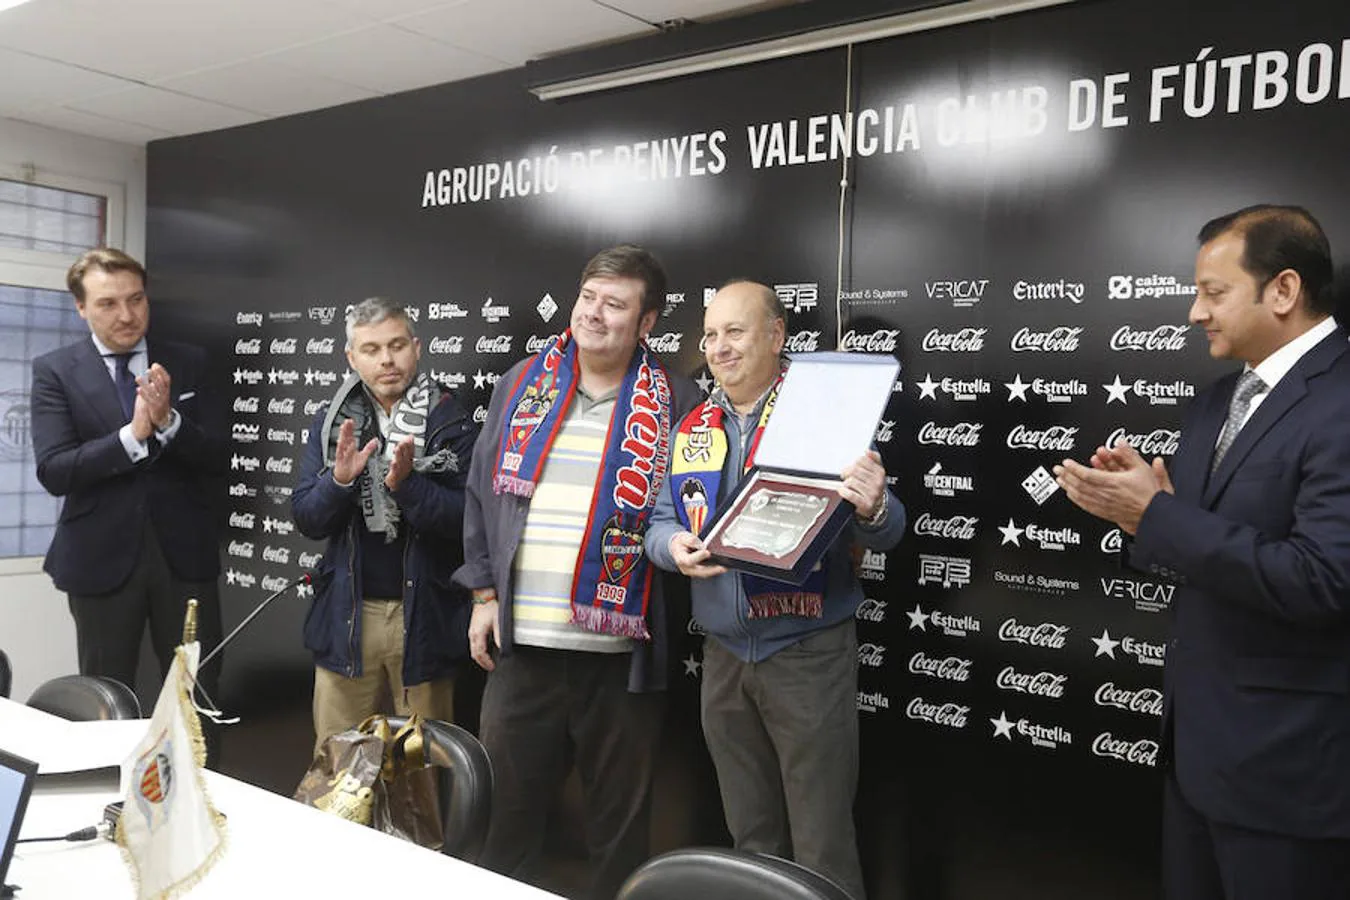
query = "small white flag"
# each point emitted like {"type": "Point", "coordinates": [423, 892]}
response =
{"type": "Point", "coordinates": [169, 832]}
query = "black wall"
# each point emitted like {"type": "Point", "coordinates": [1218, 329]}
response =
{"type": "Point", "coordinates": [1001, 240]}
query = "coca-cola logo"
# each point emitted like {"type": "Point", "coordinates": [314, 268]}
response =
{"type": "Point", "coordinates": [499, 344]}
{"type": "Point", "coordinates": [309, 560]}
{"type": "Point", "coordinates": [281, 555]}
{"type": "Point", "coordinates": [1063, 339]}
{"type": "Point", "coordinates": [962, 434]}
{"type": "Point", "coordinates": [965, 340]}
{"type": "Point", "coordinates": [1047, 635]}
{"type": "Point", "coordinates": [871, 655]}
{"type": "Point", "coordinates": [242, 549]}
{"type": "Point", "coordinates": [880, 341]}
{"type": "Point", "coordinates": [272, 583]}
{"type": "Point", "coordinates": [281, 406]}
{"type": "Point", "coordinates": [480, 414]}
{"type": "Point", "coordinates": [871, 610]}
{"type": "Point", "coordinates": [958, 528]}
{"type": "Point", "coordinates": [284, 346]}
{"type": "Point", "coordinates": [950, 715]}
{"type": "Point", "coordinates": [1146, 701]}
{"type": "Point", "coordinates": [665, 343]}
{"type": "Point", "coordinates": [1161, 338]}
{"type": "Point", "coordinates": [802, 342]}
{"type": "Point", "coordinates": [1059, 438]}
{"type": "Point", "coordinates": [950, 668]}
{"type": "Point", "coordinates": [279, 465]}
{"type": "Point", "coordinates": [1143, 752]}
{"type": "Point", "coordinates": [1158, 442]}
{"type": "Point", "coordinates": [535, 343]}
{"type": "Point", "coordinates": [1038, 684]}
{"type": "Point", "coordinates": [316, 346]}
{"type": "Point", "coordinates": [451, 344]}
{"type": "Point", "coordinates": [885, 431]}
{"type": "Point", "coordinates": [250, 347]}
{"type": "Point", "coordinates": [242, 520]}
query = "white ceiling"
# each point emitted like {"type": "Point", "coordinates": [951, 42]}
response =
{"type": "Point", "coordinates": [137, 70]}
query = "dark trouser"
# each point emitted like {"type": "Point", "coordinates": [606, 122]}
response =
{"type": "Point", "coordinates": [108, 627]}
{"type": "Point", "coordinates": [541, 710]}
{"type": "Point", "coordinates": [783, 734]}
{"type": "Point", "coordinates": [1208, 860]}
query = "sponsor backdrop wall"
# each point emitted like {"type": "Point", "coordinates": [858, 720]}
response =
{"type": "Point", "coordinates": [1008, 207]}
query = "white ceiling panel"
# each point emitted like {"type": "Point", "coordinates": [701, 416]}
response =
{"type": "Point", "coordinates": [165, 110]}
{"type": "Point", "coordinates": [94, 126]}
{"type": "Point", "coordinates": [30, 81]}
{"type": "Point", "coordinates": [266, 87]}
{"type": "Point", "coordinates": [514, 30]}
{"type": "Point", "coordinates": [386, 59]}
{"type": "Point", "coordinates": [662, 10]}
{"type": "Point", "coordinates": [384, 10]}
{"type": "Point", "coordinates": [146, 40]}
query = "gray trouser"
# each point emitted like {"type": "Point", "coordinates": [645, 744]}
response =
{"type": "Point", "coordinates": [783, 734]}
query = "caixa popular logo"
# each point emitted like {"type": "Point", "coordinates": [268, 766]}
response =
{"type": "Point", "coordinates": [450, 344]}
{"type": "Point", "coordinates": [883, 340]}
{"type": "Point", "coordinates": [1046, 635]}
{"type": "Point", "coordinates": [1158, 442]}
{"type": "Point", "coordinates": [1063, 339]}
{"type": "Point", "coordinates": [242, 520]}
{"type": "Point", "coordinates": [1169, 338]}
{"type": "Point", "coordinates": [872, 701]}
{"type": "Point", "coordinates": [949, 715]}
{"type": "Point", "coordinates": [961, 434]}
{"type": "Point", "coordinates": [316, 346]}
{"type": "Point", "coordinates": [248, 318]}
{"type": "Point", "coordinates": [871, 655]}
{"type": "Point", "coordinates": [1035, 684]}
{"type": "Point", "coordinates": [665, 343]}
{"type": "Point", "coordinates": [499, 344]}
{"type": "Point", "coordinates": [1141, 752]}
{"type": "Point", "coordinates": [956, 528]}
{"type": "Point", "coordinates": [802, 342]}
{"type": "Point", "coordinates": [438, 311]}
{"type": "Point", "coordinates": [241, 549]}
{"type": "Point", "coordinates": [1148, 596]}
{"type": "Point", "coordinates": [1133, 287]}
{"type": "Point", "coordinates": [949, 668]}
{"type": "Point", "coordinates": [963, 340]}
{"type": "Point", "coordinates": [250, 347]}
{"type": "Point", "coordinates": [871, 611]}
{"type": "Point", "coordinates": [280, 555]}
{"type": "Point", "coordinates": [1113, 541]}
{"type": "Point", "coordinates": [278, 465]}
{"type": "Point", "coordinates": [281, 406]}
{"type": "Point", "coordinates": [283, 346]}
{"type": "Point", "coordinates": [1145, 701]}
{"type": "Point", "coordinates": [1059, 438]}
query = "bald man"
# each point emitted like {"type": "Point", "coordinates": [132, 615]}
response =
{"type": "Point", "coordinates": [780, 665]}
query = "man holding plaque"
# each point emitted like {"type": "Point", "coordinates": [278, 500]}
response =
{"type": "Point", "coordinates": [780, 666]}
{"type": "Point", "coordinates": [570, 464]}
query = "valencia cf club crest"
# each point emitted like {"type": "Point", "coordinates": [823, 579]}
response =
{"type": "Point", "coordinates": [694, 498]}
{"type": "Point", "coordinates": [620, 550]}
{"type": "Point", "coordinates": [154, 780]}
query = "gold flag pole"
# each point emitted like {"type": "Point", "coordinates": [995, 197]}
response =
{"type": "Point", "coordinates": [190, 622]}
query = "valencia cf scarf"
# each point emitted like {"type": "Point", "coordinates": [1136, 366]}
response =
{"type": "Point", "coordinates": [612, 580]}
{"type": "Point", "coordinates": [695, 477]}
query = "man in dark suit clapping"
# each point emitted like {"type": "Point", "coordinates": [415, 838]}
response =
{"type": "Point", "coordinates": [1253, 524]}
{"type": "Point", "coordinates": [118, 432]}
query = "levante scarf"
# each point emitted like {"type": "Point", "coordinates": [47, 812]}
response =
{"type": "Point", "coordinates": [612, 580]}
{"type": "Point", "coordinates": [695, 477]}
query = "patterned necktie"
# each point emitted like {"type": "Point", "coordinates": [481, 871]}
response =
{"type": "Point", "coordinates": [125, 382]}
{"type": "Point", "coordinates": [1248, 386]}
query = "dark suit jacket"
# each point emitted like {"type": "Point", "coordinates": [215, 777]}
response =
{"type": "Point", "coordinates": [1256, 712]}
{"type": "Point", "coordinates": [76, 417]}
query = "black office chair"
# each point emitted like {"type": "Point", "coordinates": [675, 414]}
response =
{"type": "Point", "coordinates": [6, 675]}
{"type": "Point", "coordinates": [715, 873]}
{"type": "Point", "coordinates": [86, 698]}
{"type": "Point", "coordinates": [466, 785]}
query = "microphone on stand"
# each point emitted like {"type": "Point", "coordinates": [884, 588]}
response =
{"type": "Point", "coordinates": [305, 578]}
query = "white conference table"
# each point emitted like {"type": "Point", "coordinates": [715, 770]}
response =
{"type": "Point", "coordinates": [276, 847]}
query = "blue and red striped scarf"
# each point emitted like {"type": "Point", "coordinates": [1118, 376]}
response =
{"type": "Point", "coordinates": [696, 479]}
{"type": "Point", "coordinates": [612, 581]}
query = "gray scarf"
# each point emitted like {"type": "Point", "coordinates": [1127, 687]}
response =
{"type": "Point", "coordinates": [407, 419]}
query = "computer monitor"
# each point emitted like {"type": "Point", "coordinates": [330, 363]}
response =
{"type": "Point", "coordinates": [16, 783]}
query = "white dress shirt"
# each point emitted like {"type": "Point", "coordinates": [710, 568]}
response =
{"type": "Point", "coordinates": [138, 365]}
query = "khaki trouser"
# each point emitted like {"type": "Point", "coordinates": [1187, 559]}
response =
{"type": "Point", "coordinates": [341, 702]}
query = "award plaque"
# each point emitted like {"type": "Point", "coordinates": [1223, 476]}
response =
{"type": "Point", "coordinates": [786, 511]}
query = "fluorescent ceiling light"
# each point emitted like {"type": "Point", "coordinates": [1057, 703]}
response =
{"type": "Point", "coordinates": [10, 4]}
{"type": "Point", "coordinates": [779, 48]}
